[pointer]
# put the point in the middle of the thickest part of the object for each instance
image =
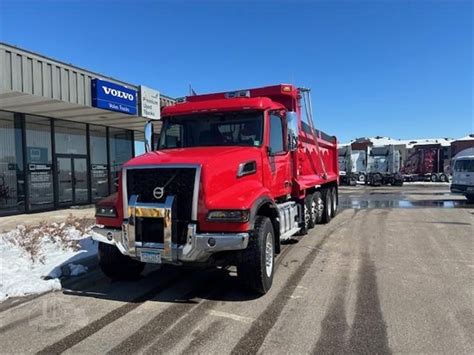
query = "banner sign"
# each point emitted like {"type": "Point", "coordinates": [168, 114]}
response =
{"type": "Point", "coordinates": [149, 103]}
{"type": "Point", "coordinates": [113, 97]}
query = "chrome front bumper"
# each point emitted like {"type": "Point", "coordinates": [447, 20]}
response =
{"type": "Point", "coordinates": [199, 247]}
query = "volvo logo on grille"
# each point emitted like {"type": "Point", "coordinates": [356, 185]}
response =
{"type": "Point", "coordinates": [158, 192]}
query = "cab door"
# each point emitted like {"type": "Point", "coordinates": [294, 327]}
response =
{"type": "Point", "coordinates": [279, 158]}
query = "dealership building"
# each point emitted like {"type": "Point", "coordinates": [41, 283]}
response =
{"type": "Point", "coordinates": [65, 131]}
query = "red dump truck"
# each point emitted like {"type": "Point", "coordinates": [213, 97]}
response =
{"type": "Point", "coordinates": [232, 175]}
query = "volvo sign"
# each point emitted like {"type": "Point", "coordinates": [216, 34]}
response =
{"type": "Point", "coordinates": [113, 97]}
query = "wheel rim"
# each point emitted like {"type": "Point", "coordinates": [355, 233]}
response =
{"type": "Point", "coordinates": [314, 211]}
{"type": "Point", "coordinates": [320, 207]}
{"type": "Point", "coordinates": [269, 254]}
{"type": "Point", "coordinates": [361, 178]}
{"type": "Point", "coordinates": [328, 204]}
{"type": "Point", "coordinates": [307, 215]}
{"type": "Point", "coordinates": [334, 205]}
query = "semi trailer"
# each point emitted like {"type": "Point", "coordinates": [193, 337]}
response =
{"type": "Point", "coordinates": [232, 175]}
{"type": "Point", "coordinates": [427, 163]}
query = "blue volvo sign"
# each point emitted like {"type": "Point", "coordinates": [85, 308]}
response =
{"type": "Point", "coordinates": [113, 97]}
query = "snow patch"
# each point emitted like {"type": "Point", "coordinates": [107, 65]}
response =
{"type": "Point", "coordinates": [20, 274]}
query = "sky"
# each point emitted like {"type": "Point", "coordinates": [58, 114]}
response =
{"type": "Point", "coordinates": [390, 67]}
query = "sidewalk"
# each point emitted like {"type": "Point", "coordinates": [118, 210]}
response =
{"type": "Point", "coordinates": [10, 222]}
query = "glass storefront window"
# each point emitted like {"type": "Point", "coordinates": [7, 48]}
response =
{"type": "Point", "coordinates": [99, 164]}
{"type": "Point", "coordinates": [70, 140]}
{"type": "Point", "coordinates": [139, 142]}
{"type": "Point", "coordinates": [39, 159]}
{"type": "Point", "coordinates": [120, 147]}
{"type": "Point", "coordinates": [12, 178]}
{"type": "Point", "coordinates": [74, 177]}
{"type": "Point", "coordinates": [70, 137]}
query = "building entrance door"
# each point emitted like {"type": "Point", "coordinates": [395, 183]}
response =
{"type": "Point", "coordinates": [73, 187]}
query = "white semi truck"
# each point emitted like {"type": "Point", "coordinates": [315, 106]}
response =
{"type": "Point", "coordinates": [383, 166]}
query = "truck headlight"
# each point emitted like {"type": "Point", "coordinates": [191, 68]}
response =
{"type": "Point", "coordinates": [105, 211]}
{"type": "Point", "coordinates": [228, 216]}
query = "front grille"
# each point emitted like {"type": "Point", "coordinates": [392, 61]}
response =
{"type": "Point", "coordinates": [178, 182]}
{"type": "Point", "coordinates": [149, 230]}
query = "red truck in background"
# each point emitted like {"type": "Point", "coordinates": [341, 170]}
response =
{"type": "Point", "coordinates": [232, 175]}
{"type": "Point", "coordinates": [428, 162]}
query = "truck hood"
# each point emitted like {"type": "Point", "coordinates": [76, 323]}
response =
{"type": "Point", "coordinates": [220, 187]}
{"type": "Point", "coordinates": [196, 155]}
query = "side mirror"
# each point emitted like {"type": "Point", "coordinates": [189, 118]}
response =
{"type": "Point", "coordinates": [292, 129]}
{"type": "Point", "coordinates": [149, 144]}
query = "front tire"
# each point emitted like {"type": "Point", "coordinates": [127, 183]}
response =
{"type": "Point", "coordinates": [470, 198]}
{"type": "Point", "coordinates": [117, 266]}
{"type": "Point", "coordinates": [257, 264]}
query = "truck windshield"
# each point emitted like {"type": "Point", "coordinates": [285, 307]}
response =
{"type": "Point", "coordinates": [212, 129]}
{"type": "Point", "coordinates": [464, 166]}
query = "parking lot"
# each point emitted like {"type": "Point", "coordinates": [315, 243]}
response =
{"type": "Point", "coordinates": [393, 272]}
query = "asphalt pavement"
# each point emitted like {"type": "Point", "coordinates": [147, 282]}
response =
{"type": "Point", "coordinates": [391, 273]}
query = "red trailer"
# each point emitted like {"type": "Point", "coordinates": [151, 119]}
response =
{"type": "Point", "coordinates": [232, 175]}
{"type": "Point", "coordinates": [429, 162]}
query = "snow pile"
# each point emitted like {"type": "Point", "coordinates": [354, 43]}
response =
{"type": "Point", "coordinates": [379, 141]}
{"type": "Point", "coordinates": [33, 258]}
{"type": "Point", "coordinates": [469, 137]}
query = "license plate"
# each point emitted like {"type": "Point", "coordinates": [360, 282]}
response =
{"type": "Point", "coordinates": [150, 256]}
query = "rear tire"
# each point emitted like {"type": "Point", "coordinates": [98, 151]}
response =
{"type": "Point", "coordinates": [362, 178]}
{"type": "Point", "coordinates": [256, 266]}
{"type": "Point", "coordinates": [443, 178]}
{"type": "Point", "coordinates": [117, 266]}
{"type": "Point", "coordinates": [318, 199]}
{"type": "Point", "coordinates": [376, 179]}
{"type": "Point", "coordinates": [333, 201]}
{"type": "Point", "coordinates": [398, 183]}
{"type": "Point", "coordinates": [434, 178]}
{"type": "Point", "coordinates": [310, 210]}
{"type": "Point", "coordinates": [327, 212]}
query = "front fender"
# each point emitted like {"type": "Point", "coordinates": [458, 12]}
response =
{"type": "Point", "coordinates": [242, 195]}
